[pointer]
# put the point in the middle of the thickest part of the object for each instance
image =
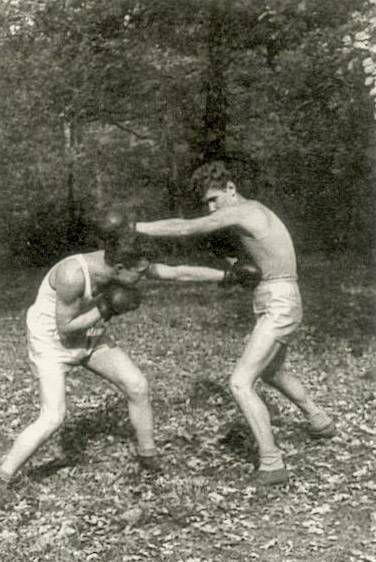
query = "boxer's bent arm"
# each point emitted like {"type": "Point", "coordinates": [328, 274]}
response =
{"type": "Point", "coordinates": [69, 295]}
{"type": "Point", "coordinates": [185, 273]}
{"type": "Point", "coordinates": [222, 218]}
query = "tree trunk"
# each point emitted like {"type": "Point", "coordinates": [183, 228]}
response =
{"type": "Point", "coordinates": [215, 119]}
{"type": "Point", "coordinates": [71, 230]}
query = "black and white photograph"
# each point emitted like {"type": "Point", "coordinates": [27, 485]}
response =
{"type": "Point", "coordinates": [187, 281]}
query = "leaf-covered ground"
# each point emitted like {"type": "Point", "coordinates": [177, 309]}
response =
{"type": "Point", "coordinates": [82, 497]}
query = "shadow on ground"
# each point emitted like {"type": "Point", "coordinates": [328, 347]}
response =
{"type": "Point", "coordinates": [89, 430]}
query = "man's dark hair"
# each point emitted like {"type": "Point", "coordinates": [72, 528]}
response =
{"type": "Point", "coordinates": [213, 175]}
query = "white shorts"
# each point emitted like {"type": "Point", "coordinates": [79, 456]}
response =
{"type": "Point", "coordinates": [278, 309]}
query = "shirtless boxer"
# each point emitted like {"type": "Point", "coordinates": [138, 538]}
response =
{"type": "Point", "coordinates": [264, 240]}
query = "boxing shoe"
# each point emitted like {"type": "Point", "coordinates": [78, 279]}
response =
{"type": "Point", "coordinates": [149, 464]}
{"type": "Point", "coordinates": [325, 432]}
{"type": "Point", "coordinates": [320, 426]}
{"type": "Point", "coordinates": [270, 477]}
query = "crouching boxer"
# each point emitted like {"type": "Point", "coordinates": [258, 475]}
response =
{"type": "Point", "coordinates": [66, 328]}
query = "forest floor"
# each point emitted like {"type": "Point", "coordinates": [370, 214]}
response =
{"type": "Point", "coordinates": [82, 496]}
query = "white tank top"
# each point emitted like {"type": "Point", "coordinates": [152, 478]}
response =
{"type": "Point", "coordinates": [41, 316]}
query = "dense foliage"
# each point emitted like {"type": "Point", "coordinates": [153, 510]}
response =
{"type": "Point", "coordinates": [121, 100]}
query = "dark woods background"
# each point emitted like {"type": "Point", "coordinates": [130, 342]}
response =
{"type": "Point", "coordinates": [121, 100]}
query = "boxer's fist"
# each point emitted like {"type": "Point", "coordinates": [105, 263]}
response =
{"type": "Point", "coordinates": [244, 274]}
{"type": "Point", "coordinates": [122, 244]}
{"type": "Point", "coordinates": [113, 222]}
{"type": "Point", "coordinates": [117, 299]}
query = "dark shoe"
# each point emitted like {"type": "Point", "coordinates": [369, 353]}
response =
{"type": "Point", "coordinates": [326, 432]}
{"type": "Point", "coordinates": [270, 477]}
{"type": "Point", "coordinates": [150, 464]}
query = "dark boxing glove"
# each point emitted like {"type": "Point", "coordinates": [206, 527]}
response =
{"type": "Point", "coordinates": [116, 300]}
{"type": "Point", "coordinates": [244, 274]}
{"type": "Point", "coordinates": [122, 244]}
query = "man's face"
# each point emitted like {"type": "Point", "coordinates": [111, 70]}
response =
{"type": "Point", "coordinates": [131, 275]}
{"type": "Point", "coordinates": [216, 199]}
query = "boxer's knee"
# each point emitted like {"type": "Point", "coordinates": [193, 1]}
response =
{"type": "Point", "coordinates": [51, 420]}
{"type": "Point", "coordinates": [242, 381]}
{"type": "Point", "coordinates": [138, 389]}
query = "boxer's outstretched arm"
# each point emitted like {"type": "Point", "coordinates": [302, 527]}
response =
{"type": "Point", "coordinates": [222, 218]}
{"type": "Point", "coordinates": [185, 273]}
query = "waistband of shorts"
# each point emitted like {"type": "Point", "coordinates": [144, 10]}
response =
{"type": "Point", "coordinates": [293, 279]}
